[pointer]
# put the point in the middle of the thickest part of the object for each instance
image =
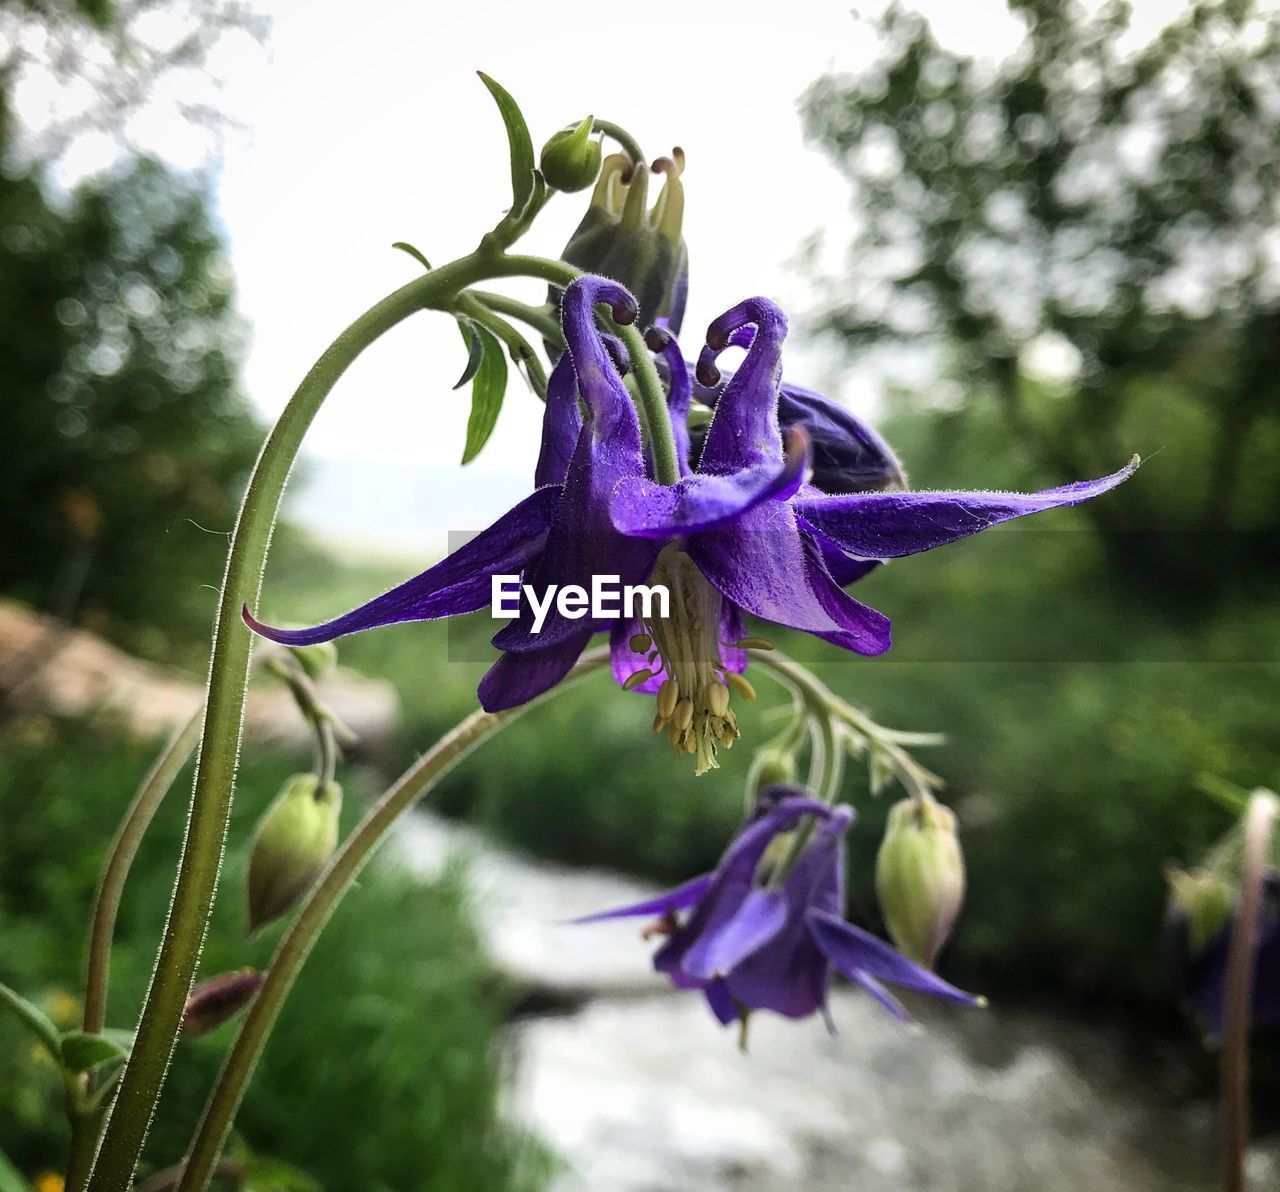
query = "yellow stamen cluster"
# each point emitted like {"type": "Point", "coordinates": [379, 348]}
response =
{"type": "Point", "coordinates": [693, 701]}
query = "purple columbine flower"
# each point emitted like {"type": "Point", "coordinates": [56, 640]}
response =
{"type": "Point", "coordinates": [750, 937]}
{"type": "Point", "coordinates": [1203, 969]}
{"type": "Point", "coordinates": [739, 534]}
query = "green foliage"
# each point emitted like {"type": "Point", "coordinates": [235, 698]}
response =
{"type": "Point", "coordinates": [402, 1092]}
{"type": "Point", "coordinates": [125, 434]}
{"type": "Point", "coordinates": [1110, 204]}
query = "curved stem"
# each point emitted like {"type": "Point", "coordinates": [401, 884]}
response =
{"type": "Point", "coordinates": [1259, 822]}
{"type": "Point", "coordinates": [421, 777]}
{"type": "Point", "coordinates": [629, 144]}
{"type": "Point", "coordinates": [123, 850]}
{"type": "Point", "coordinates": [541, 318]}
{"type": "Point", "coordinates": [201, 857]}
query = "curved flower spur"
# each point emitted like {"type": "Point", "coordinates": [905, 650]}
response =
{"type": "Point", "coordinates": [740, 533]}
{"type": "Point", "coordinates": [756, 935]}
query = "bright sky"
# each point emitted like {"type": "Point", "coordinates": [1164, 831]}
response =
{"type": "Point", "coordinates": [364, 125]}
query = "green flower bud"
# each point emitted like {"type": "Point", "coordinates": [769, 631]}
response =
{"type": "Point", "coordinates": [294, 839]}
{"type": "Point", "coordinates": [571, 159]}
{"type": "Point", "coordinates": [1205, 899]}
{"type": "Point", "coordinates": [318, 660]}
{"type": "Point", "coordinates": [920, 877]}
{"type": "Point", "coordinates": [771, 766]}
{"type": "Point", "coordinates": [641, 247]}
{"type": "Point", "coordinates": [218, 999]}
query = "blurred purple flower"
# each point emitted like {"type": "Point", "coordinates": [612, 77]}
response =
{"type": "Point", "coordinates": [1203, 970]}
{"type": "Point", "coordinates": [754, 939]}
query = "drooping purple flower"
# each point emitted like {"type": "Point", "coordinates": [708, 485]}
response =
{"type": "Point", "coordinates": [740, 533]}
{"type": "Point", "coordinates": [751, 937]}
{"type": "Point", "coordinates": [1202, 966]}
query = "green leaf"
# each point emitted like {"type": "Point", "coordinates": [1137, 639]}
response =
{"type": "Point", "coordinates": [32, 1018]}
{"type": "Point", "coordinates": [521, 144]}
{"type": "Point", "coordinates": [487, 392]}
{"type": "Point", "coordinates": [270, 1175]}
{"type": "Point", "coordinates": [10, 1180]}
{"type": "Point", "coordinates": [405, 246]}
{"type": "Point", "coordinates": [475, 351]}
{"type": "Point", "coordinates": [81, 1051]}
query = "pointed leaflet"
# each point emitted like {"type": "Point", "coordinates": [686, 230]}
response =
{"type": "Point", "coordinates": [416, 254]}
{"type": "Point", "coordinates": [32, 1018]}
{"type": "Point", "coordinates": [81, 1051]}
{"type": "Point", "coordinates": [522, 181]}
{"type": "Point", "coordinates": [487, 392]}
{"type": "Point", "coordinates": [475, 351]}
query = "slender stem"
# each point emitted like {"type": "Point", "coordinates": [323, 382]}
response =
{"type": "Point", "coordinates": [653, 405]}
{"type": "Point", "coordinates": [421, 777]}
{"type": "Point", "coordinates": [1259, 821]}
{"type": "Point", "coordinates": [624, 138]}
{"type": "Point", "coordinates": [201, 857]}
{"type": "Point", "coordinates": [123, 850]}
{"type": "Point", "coordinates": [84, 1130]}
{"type": "Point", "coordinates": [541, 318]}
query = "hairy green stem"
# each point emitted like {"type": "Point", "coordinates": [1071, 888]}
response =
{"type": "Point", "coordinates": [201, 857]}
{"type": "Point", "coordinates": [324, 897]}
{"type": "Point", "coordinates": [1241, 958]}
{"type": "Point", "coordinates": [133, 827]}
{"type": "Point", "coordinates": [541, 318]}
{"type": "Point", "coordinates": [653, 405]}
{"type": "Point", "coordinates": [629, 144]}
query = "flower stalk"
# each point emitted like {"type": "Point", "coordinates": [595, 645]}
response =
{"type": "Point", "coordinates": [1259, 824]}
{"type": "Point", "coordinates": [201, 858]}
{"type": "Point", "coordinates": [295, 947]}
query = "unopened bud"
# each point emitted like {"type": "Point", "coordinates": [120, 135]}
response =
{"type": "Point", "coordinates": [294, 839]}
{"type": "Point", "coordinates": [571, 159]}
{"type": "Point", "coordinates": [920, 877]}
{"type": "Point", "coordinates": [218, 999]}
{"type": "Point", "coordinates": [771, 766]}
{"type": "Point", "coordinates": [318, 661]}
{"type": "Point", "coordinates": [1203, 901]}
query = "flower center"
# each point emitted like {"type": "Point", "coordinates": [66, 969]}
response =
{"type": "Point", "coordinates": [693, 701]}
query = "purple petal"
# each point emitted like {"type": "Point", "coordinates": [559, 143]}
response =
{"type": "Point", "coordinates": [561, 424]}
{"type": "Point", "coordinates": [842, 569]}
{"type": "Point", "coordinates": [582, 542]}
{"type": "Point", "coordinates": [745, 430]}
{"type": "Point", "coordinates": [732, 881]}
{"type": "Point", "coordinates": [457, 584]}
{"type": "Point", "coordinates": [862, 629]}
{"type": "Point", "coordinates": [848, 456]}
{"type": "Point", "coordinates": [889, 525]}
{"type": "Point", "coordinates": [517, 678]}
{"type": "Point", "coordinates": [762, 563]}
{"type": "Point", "coordinates": [854, 951]}
{"type": "Point", "coordinates": [721, 1002]}
{"type": "Point", "coordinates": [789, 975]}
{"type": "Point", "coordinates": [679, 899]}
{"type": "Point", "coordinates": [643, 509]}
{"type": "Point", "coordinates": [882, 995]}
{"type": "Point", "coordinates": [760, 917]}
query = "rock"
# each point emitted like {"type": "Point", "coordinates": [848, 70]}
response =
{"type": "Point", "coordinates": [47, 666]}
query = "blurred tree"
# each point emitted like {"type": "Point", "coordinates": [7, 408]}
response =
{"type": "Point", "coordinates": [123, 434]}
{"type": "Point", "coordinates": [1104, 205]}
